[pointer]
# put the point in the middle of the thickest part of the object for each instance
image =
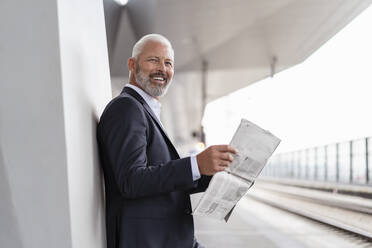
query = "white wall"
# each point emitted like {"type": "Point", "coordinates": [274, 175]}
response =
{"type": "Point", "coordinates": [54, 83]}
{"type": "Point", "coordinates": [86, 90]}
{"type": "Point", "coordinates": [32, 132]}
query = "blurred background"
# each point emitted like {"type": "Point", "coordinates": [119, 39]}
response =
{"type": "Point", "coordinates": [300, 69]}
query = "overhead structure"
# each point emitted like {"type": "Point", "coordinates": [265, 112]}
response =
{"type": "Point", "coordinates": [242, 41]}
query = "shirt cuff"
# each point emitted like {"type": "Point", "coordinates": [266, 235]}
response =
{"type": "Point", "coordinates": [194, 168]}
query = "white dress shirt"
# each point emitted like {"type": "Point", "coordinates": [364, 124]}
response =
{"type": "Point", "coordinates": [155, 106]}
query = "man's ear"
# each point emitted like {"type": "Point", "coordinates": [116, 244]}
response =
{"type": "Point", "coordinates": [132, 65]}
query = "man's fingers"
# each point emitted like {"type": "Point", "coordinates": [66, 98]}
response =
{"type": "Point", "coordinates": [221, 168]}
{"type": "Point", "coordinates": [224, 163]}
{"type": "Point", "coordinates": [226, 148]}
{"type": "Point", "coordinates": [226, 156]}
{"type": "Point", "coordinates": [215, 159]}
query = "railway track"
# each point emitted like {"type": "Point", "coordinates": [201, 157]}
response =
{"type": "Point", "coordinates": [349, 214]}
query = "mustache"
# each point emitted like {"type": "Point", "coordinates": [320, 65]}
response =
{"type": "Point", "coordinates": [159, 74]}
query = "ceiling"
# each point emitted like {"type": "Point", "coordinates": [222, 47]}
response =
{"type": "Point", "coordinates": [241, 42]}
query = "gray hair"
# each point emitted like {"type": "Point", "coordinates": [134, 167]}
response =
{"type": "Point", "coordinates": [138, 47]}
{"type": "Point", "coordinates": [140, 44]}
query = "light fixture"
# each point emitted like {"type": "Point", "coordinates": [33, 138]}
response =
{"type": "Point", "coordinates": [121, 2]}
{"type": "Point", "coordinates": [200, 146]}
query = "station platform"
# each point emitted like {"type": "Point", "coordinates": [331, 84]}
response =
{"type": "Point", "coordinates": [256, 224]}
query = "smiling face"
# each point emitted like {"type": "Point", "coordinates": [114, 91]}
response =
{"type": "Point", "coordinates": [153, 70]}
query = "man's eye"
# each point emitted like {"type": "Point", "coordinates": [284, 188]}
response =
{"type": "Point", "coordinates": [152, 60]}
{"type": "Point", "coordinates": [169, 63]}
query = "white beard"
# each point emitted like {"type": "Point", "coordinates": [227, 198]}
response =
{"type": "Point", "coordinates": [152, 90]}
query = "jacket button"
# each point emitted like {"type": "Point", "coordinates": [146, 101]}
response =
{"type": "Point", "coordinates": [188, 211]}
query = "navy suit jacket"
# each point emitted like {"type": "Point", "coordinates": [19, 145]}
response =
{"type": "Point", "coordinates": [147, 184]}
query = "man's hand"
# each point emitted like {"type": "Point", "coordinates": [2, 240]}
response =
{"type": "Point", "coordinates": [215, 159]}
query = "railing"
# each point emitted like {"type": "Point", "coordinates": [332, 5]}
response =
{"type": "Point", "coordinates": [343, 162]}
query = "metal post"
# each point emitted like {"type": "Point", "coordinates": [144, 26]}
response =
{"type": "Point", "coordinates": [316, 163]}
{"type": "Point", "coordinates": [275, 172]}
{"type": "Point", "coordinates": [299, 165]}
{"type": "Point", "coordinates": [337, 162]}
{"type": "Point", "coordinates": [292, 164]}
{"type": "Point", "coordinates": [367, 168]}
{"type": "Point", "coordinates": [284, 169]}
{"type": "Point", "coordinates": [307, 163]}
{"type": "Point", "coordinates": [204, 97]}
{"type": "Point", "coordinates": [351, 161]}
{"type": "Point", "coordinates": [287, 165]}
{"type": "Point", "coordinates": [325, 162]}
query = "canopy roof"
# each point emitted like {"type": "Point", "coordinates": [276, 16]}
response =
{"type": "Point", "coordinates": [239, 41]}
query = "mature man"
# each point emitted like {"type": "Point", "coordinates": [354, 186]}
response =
{"type": "Point", "coordinates": [147, 184]}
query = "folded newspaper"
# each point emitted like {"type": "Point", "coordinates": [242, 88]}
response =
{"type": "Point", "coordinates": [255, 146]}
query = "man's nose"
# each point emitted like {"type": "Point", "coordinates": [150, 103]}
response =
{"type": "Point", "coordinates": [162, 67]}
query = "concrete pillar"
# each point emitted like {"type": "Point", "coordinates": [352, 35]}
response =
{"type": "Point", "coordinates": [54, 84]}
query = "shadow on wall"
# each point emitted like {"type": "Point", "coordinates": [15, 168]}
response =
{"type": "Point", "coordinates": [10, 235]}
{"type": "Point", "coordinates": [99, 185]}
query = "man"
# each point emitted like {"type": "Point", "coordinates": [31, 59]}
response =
{"type": "Point", "coordinates": [147, 184]}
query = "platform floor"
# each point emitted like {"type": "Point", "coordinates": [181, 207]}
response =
{"type": "Point", "coordinates": [254, 224]}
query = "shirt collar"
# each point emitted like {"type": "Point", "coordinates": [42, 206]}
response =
{"type": "Point", "coordinates": [154, 104]}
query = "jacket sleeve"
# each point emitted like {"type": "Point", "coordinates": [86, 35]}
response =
{"type": "Point", "coordinates": [123, 135]}
{"type": "Point", "coordinates": [201, 184]}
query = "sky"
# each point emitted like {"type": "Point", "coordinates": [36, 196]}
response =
{"type": "Point", "coordinates": [325, 99]}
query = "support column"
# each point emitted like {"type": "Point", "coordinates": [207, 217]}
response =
{"type": "Point", "coordinates": [55, 83]}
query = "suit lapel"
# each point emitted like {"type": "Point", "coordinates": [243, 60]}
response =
{"type": "Point", "coordinates": [138, 97]}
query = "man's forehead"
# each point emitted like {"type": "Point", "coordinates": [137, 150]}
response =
{"type": "Point", "coordinates": [158, 49]}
